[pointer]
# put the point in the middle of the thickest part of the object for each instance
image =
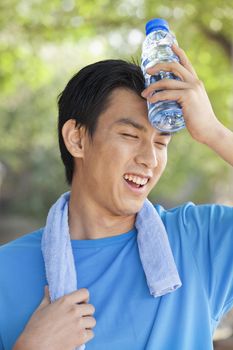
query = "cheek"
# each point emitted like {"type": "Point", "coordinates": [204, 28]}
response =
{"type": "Point", "coordinates": [105, 165]}
{"type": "Point", "coordinates": [165, 159]}
{"type": "Point", "coordinates": [115, 154]}
{"type": "Point", "coordinates": [162, 159]}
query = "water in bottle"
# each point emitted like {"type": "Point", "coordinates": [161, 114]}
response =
{"type": "Point", "coordinates": [164, 115]}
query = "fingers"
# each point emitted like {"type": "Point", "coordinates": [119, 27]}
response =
{"type": "Point", "coordinates": [164, 84]}
{"type": "Point", "coordinates": [46, 299]}
{"type": "Point", "coordinates": [88, 322]}
{"type": "Point", "coordinates": [86, 335]}
{"type": "Point", "coordinates": [186, 95]}
{"type": "Point", "coordinates": [46, 291]}
{"type": "Point", "coordinates": [174, 95]}
{"type": "Point", "coordinates": [183, 69]}
{"type": "Point", "coordinates": [79, 296]}
{"type": "Point", "coordinates": [85, 309]}
{"type": "Point", "coordinates": [184, 59]}
{"type": "Point", "coordinates": [173, 67]}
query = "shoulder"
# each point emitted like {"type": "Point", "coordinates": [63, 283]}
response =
{"type": "Point", "coordinates": [189, 213]}
{"type": "Point", "coordinates": [21, 262]}
{"type": "Point", "coordinates": [203, 226]}
{"type": "Point", "coordinates": [22, 246]}
{"type": "Point", "coordinates": [29, 239]}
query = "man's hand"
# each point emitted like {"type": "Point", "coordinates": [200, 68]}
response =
{"type": "Point", "coordinates": [62, 325]}
{"type": "Point", "coordinates": [190, 93]}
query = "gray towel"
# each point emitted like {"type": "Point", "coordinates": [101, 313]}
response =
{"type": "Point", "coordinates": [154, 250]}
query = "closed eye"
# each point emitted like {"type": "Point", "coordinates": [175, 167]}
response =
{"type": "Point", "coordinates": [129, 135]}
{"type": "Point", "coordinates": [160, 143]}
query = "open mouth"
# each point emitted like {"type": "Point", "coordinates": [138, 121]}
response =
{"type": "Point", "coordinates": [136, 181]}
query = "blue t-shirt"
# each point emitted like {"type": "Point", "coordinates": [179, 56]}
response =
{"type": "Point", "coordinates": [127, 316]}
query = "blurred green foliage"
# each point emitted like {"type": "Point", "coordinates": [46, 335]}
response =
{"type": "Point", "coordinates": [43, 43]}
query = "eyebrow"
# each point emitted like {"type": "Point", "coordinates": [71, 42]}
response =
{"type": "Point", "coordinates": [128, 121]}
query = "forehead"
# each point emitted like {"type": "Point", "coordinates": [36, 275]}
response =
{"type": "Point", "coordinates": [124, 103]}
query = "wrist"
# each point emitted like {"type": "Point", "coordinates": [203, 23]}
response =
{"type": "Point", "coordinates": [215, 133]}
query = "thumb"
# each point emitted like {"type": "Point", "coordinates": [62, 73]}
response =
{"type": "Point", "coordinates": [46, 299]}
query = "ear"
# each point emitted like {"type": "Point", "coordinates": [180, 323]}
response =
{"type": "Point", "coordinates": [73, 137]}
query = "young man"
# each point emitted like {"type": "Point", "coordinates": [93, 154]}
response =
{"type": "Point", "coordinates": [113, 158]}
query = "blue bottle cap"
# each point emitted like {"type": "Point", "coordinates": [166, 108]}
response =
{"type": "Point", "coordinates": [155, 24]}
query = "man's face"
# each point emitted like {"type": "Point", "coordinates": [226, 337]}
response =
{"type": "Point", "coordinates": [126, 157]}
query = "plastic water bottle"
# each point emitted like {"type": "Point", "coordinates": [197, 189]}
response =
{"type": "Point", "coordinates": [164, 115]}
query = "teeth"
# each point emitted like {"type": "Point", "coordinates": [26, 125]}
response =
{"type": "Point", "coordinates": [136, 179]}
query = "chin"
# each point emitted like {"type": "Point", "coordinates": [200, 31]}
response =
{"type": "Point", "coordinates": [132, 208]}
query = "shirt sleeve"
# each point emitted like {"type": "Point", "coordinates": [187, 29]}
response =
{"type": "Point", "coordinates": [209, 229]}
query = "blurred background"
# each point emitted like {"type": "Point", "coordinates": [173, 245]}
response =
{"type": "Point", "coordinates": [43, 43]}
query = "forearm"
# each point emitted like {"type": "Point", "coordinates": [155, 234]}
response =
{"type": "Point", "coordinates": [221, 141]}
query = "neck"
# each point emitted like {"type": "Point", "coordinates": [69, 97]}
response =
{"type": "Point", "coordinates": [87, 220]}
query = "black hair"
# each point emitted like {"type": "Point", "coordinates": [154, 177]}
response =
{"type": "Point", "coordinates": [87, 95]}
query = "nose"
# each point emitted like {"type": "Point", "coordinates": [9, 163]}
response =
{"type": "Point", "coordinates": [147, 156]}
